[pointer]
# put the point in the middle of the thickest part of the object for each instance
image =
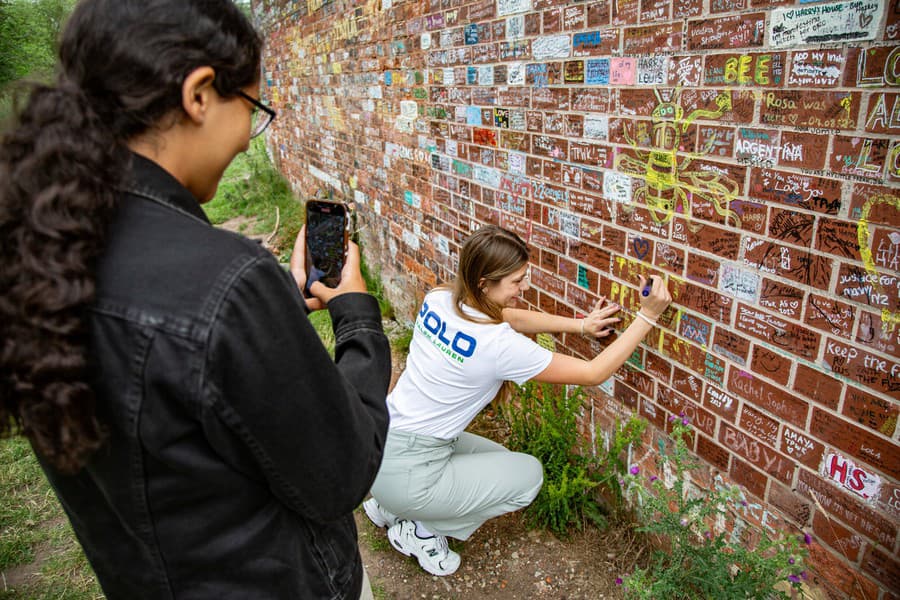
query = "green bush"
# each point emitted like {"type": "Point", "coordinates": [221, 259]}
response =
{"type": "Point", "coordinates": [696, 559]}
{"type": "Point", "coordinates": [543, 422]}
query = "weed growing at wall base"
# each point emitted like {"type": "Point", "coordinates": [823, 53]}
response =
{"type": "Point", "coordinates": [696, 556]}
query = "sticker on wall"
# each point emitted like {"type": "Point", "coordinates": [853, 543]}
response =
{"type": "Point", "coordinates": [515, 28]}
{"type": "Point", "coordinates": [486, 176]}
{"type": "Point", "coordinates": [448, 78]}
{"type": "Point", "coordinates": [856, 20]}
{"type": "Point", "coordinates": [596, 127]}
{"type": "Point", "coordinates": [473, 115]}
{"type": "Point", "coordinates": [442, 245]}
{"type": "Point", "coordinates": [583, 277]}
{"type": "Point", "coordinates": [409, 109]}
{"type": "Point", "coordinates": [622, 70]}
{"type": "Point", "coordinates": [375, 92]}
{"type": "Point", "coordinates": [653, 70]}
{"type": "Point", "coordinates": [551, 46]}
{"type": "Point", "coordinates": [471, 34]}
{"type": "Point", "coordinates": [412, 199]}
{"type": "Point", "coordinates": [617, 187]}
{"type": "Point", "coordinates": [451, 147]}
{"type": "Point", "coordinates": [486, 75]}
{"type": "Point", "coordinates": [471, 75]}
{"type": "Point", "coordinates": [515, 73]}
{"type": "Point", "coordinates": [386, 4]}
{"type": "Point", "coordinates": [510, 7]}
{"type": "Point", "coordinates": [742, 283]}
{"type": "Point", "coordinates": [856, 479]}
{"type": "Point", "coordinates": [516, 162]}
{"type": "Point", "coordinates": [596, 71]}
{"type": "Point", "coordinates": [568, 223]}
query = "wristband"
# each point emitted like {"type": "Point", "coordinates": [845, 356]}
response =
{"type": "Point", "coordinates": [646, 318]}
{"type": "Point", "coordinates": [582, 327]}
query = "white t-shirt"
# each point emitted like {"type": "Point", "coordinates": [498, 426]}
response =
{"type": "Point", "coordinates": [455, 368]}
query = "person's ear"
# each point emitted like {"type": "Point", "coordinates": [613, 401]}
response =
{"type": "Point", "coordinates": [196, 93]}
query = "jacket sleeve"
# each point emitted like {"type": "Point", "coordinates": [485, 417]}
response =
{"type": "Point", "coordinates": [315, 426]}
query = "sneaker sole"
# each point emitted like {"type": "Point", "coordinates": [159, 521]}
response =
{"type": "Point", "coordinates": [399, 548]}
{"type": "Point", "coordinates": [374, 516]}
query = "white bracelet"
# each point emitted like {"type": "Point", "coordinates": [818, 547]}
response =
{"type": "Point", "coordinates": [582, 327]}
{"type": "Point", "coordinates": [646, 318]}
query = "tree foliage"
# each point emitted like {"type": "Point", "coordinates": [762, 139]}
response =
{"type": "Point", "coordinates": [29, 33]}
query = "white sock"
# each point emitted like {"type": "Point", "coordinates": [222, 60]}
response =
{"type": "Point", "coordinates": [422, 531]}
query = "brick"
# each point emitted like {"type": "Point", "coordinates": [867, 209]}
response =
{"type": "Point", "coordinates": [793, 189]}
{"type": "Point", "coordinates": [801, 150]}
{"type": "Point", "coordinates": [702, 269]}
{"type": "Point", "coordinates": [748, 477]}
{"type": "Point", "coordinates": [843, 540]}
{"type": "Point", "coordinates": [859, 156]}
{"type": "Point", "coordinates": [654, 10]}
{"type": "Point", "coordinates": [713, 453]}
{"type": "Point", "coordinates": [830, 315]}
{"type": "Point", "coordinates": [882, 566]}
{"type": "Point", "coordinates": [889, 500]}
{"type": "Point", "coordinates": [856, 441]}
{"type": "Point", "coordinates": [873, 289]}
{"type": "Point", "coordinates": [801, 448]}
{"type": "Point", "coordinates": [713, 141]}
{"type": "Point", "coordinates": [722, 403]}
{"type": "Point", "coordinates": [768, 397]}
{"type": "Point", "coordinates": [850, 511]}
{"type": "Point", "coordinates": [791, 263]}
{"type": "Point", "coordinates": [702, 300]}
{"type": "Point", "coordinates": [759, 425]}
{"type": "Point", "coordinates": [838, 579]}
{"type": "Point", "coordinates": [817, 386]}
{"type": "Point", "coordinates": [791, 226]}
{"type": "Point", "coordinates": [651, 39]}
{"type": "Point", "coordinates": [782, 334]}
{"type": "Point", "coordinates": [771, 364]}
{"type": "Point", "coordinates": [794, 507]}
{"type": "Point", "coordinates": [714, 240]}
{"type": "Point", "coordinates": [873, 67]}
{"type": "Point", "coordinates": [872, 333]}
{"type": "Point", "coordinates": [763, 69]}
{"type": "Point", "coordinates": [756, 453]}
{"type": "Point", "coordinates": [731, 345]}
{"type": "Point", "coordinates": [879, 374]}
{"type": "Point", "coordinates": [735, 31]}
{"type": "Point", "coordinates": [816, 69]}
{"type": "Point", "coordinates": [669, 257]}
{"type": "Point", "coordinates": [807, 108]}
{"type": "Point", "coordinates": [883, 113]}
{"type": "Point", "coordinates": [838, 237]}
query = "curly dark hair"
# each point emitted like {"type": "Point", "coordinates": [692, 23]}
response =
{"type": "Point", "coordinates": [122, 66]}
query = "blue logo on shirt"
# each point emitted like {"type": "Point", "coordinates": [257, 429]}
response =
{"type": "Point", "coordinates": [462, 345]}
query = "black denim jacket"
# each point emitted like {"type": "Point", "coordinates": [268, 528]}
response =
{"type": "Point", "coordinates": [237, 448]}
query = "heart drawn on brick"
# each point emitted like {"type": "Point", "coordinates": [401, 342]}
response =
{"type": "Point", "coordinates": [641, 247]}
{"type": "Point", "coordinates": [865, 20]}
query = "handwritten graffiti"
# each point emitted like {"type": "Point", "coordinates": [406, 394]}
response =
{"type": "Point", "coordinates": [889, 318]}
{"type": "Point", "coordinates": [668, 186]}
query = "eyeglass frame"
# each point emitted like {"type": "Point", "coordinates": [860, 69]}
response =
{"type": "Point", "coordinates": [257, 105]}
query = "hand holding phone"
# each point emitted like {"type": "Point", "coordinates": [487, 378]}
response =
{"type": "Point", "coordinates": [327, 234]}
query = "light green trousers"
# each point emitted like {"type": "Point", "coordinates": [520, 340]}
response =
{"type": "Point", "coordinates": [453, 486]}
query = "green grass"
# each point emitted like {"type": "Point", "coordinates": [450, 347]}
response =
{"type": "Point", "coordinates": [34, 526]}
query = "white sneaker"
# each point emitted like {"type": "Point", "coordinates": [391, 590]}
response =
{"type": "Point", "coordinates": [433, 553]}
{"type": "Point", "coordinates": [379, 516]}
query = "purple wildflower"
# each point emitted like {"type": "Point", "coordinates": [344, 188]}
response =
{"type": "Point", "coordinates": [807, 539]}
{"type": "Point", "coordinates": [685, 420]}
{"type": "Point", "coordinates": [634, 470]}
{"type": "Point", "coordinates": [794, 578]}
{"type": "Point", "coordinates": [672, 418]}
{"type": "Point", "coordinates": [791, 560]}
{"type": "Point", "coordinates": [743, 503]}
{"type": "Point", "coordinates": [683, 522]}
{"type": "Point", "coordinates": [618, 581]}
{"type": "Point", "coordinates": [803, 575]}
{"type": "Point", "coordinates": [681, 414]}
{"type": "Point", "coordinates": [653, 478]}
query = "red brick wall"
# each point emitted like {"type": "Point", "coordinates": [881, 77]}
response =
{"type": "Point", "coordinates": [746, 150]}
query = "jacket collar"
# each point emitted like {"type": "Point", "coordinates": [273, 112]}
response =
{"type": "Point", "coordinates": [149, 180]}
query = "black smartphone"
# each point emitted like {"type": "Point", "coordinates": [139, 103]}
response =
{"type": "Point", "coordinates": [327, 232]}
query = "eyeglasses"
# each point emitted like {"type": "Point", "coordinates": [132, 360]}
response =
{"type": "Point", "coordinates": [261, 116]}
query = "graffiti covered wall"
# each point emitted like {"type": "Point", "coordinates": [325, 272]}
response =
{"type": "Point", "coordinates": [746, 150]}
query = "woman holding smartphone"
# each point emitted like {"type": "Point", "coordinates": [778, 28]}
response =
{"type": "Point", "coordinates": [436, 480]}
{"type": "Point", "coordinates": [197, 433]}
